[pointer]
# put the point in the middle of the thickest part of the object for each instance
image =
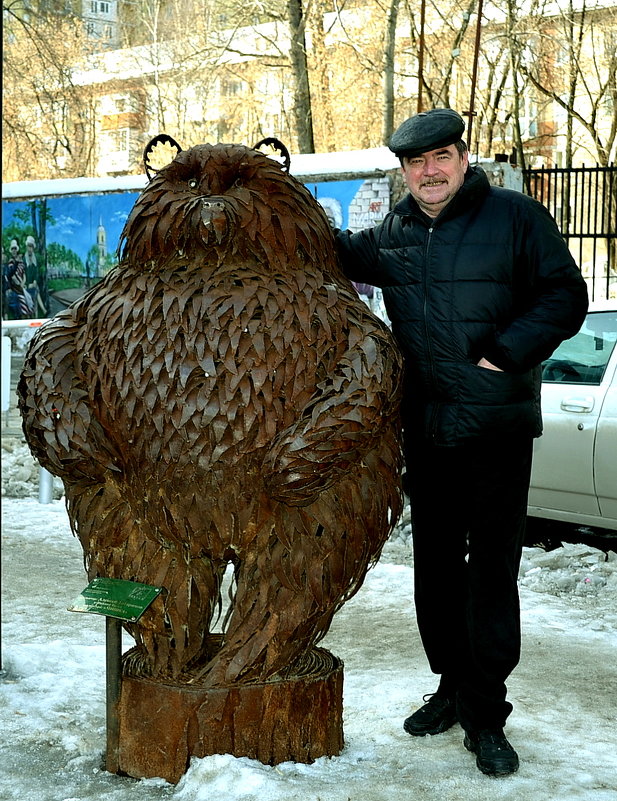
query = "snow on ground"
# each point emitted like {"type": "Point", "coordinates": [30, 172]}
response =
{"type": "Point", "coordinates": [52, 691]}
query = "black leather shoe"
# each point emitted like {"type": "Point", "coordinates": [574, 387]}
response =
{"type": "Point", "coordinates": [438, 714]}
{"type": "Point", "coordinates": [494, 754]}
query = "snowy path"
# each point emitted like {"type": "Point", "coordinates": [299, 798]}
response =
{"type": "Point", "coordinates": [564, 723]}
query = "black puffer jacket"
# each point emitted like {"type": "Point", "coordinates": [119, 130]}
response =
{"type": "Point", "coordinates": [490, 277]}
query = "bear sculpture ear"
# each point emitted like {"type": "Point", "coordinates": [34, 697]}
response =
{"type": "Point", "coordinates": [156, 154]}
{"type": "Point", "coordinates": [278, 147]}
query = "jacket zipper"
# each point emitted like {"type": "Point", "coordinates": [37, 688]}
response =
{"type": "Point", "coordinates": [432, 426]}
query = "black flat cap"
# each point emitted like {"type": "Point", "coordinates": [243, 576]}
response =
{"type": "Point", "coordinates": [428, 130]}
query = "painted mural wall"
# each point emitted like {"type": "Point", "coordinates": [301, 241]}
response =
{"type": "Point", "coordinates": [55, 247]}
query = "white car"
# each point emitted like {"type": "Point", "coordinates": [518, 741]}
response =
{"type": "Point", "coordinates": [574, 475]}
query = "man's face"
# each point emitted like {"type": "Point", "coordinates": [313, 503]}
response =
{"type": "Point", "coordinates": [433, 178]}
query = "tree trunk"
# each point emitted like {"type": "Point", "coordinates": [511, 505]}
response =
{"type": "Point", "coordinates": [514, 61]}
{"type": "Point", "coordinates": [388, 74]}
{"type": "Point", "coordinates": [303, 115]}
{"type": "Point", "coordinates": [493, 109]}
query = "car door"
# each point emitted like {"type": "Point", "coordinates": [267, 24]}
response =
{"type": "Point", "coordinates": [575, 383]}
{"type": "Point", "coordinates": [605, 457]}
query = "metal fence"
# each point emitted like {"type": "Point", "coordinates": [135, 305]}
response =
{"type": "Point", "coordinates": [583, 200]}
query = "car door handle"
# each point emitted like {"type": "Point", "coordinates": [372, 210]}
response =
{"type": "Point", "coordinates": [580, 405]}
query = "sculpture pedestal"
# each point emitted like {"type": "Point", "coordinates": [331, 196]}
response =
{"type": "Point", "coordinates": [296, 719]}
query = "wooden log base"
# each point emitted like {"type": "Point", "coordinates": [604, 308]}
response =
{"type": "Point", "coordinates": [162, 725]}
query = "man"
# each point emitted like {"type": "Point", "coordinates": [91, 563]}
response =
{"type": "Point", "coordinates": [480, 288]}
{"type": "Point", "coordinates": [19, 304]}
{"type": "Point", "coordinates": [32, 277]}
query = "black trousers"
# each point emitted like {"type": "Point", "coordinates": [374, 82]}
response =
{"type": "Point", "coordinates": [468, 507]}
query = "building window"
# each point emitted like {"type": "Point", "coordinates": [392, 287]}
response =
{"type": "Point", "coordinates": [230, 87]}
{"type": "Point", "coordinates": [104, 8]}
{"type": "Point", "coordinates": [94, 6]}
{"type": "Point", "coordinates": [119, 140]}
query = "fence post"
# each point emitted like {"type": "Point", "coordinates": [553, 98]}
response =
{"type": "Point", "coordinates": [46, 486]}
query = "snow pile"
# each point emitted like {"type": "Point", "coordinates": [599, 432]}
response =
{"type": "Point", "coordinates": [20, 471]}
{"type": "Point", "coordinates": [572, 569]}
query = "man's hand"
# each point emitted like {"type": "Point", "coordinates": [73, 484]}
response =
{"type": "Point", "coordinates": [485, 363]}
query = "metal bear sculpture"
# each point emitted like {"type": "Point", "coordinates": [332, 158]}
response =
{"type": "Point", "coordinates": [222, 396]}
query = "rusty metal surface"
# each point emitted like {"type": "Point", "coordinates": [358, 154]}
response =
{"type": "Point", "coordinates": [163, 725]}
{"type": "Point", "coordinates": [223, 395]}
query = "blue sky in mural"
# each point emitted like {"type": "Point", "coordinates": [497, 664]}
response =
{"type": "Point", "coordinates": [77, 218]}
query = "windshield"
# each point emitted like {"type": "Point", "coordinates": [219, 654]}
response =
{"type": "Point", "coordinates": [583, 359]}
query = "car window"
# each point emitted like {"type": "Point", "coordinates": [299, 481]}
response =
{"type": "Point", "coordinates": [583, 359]}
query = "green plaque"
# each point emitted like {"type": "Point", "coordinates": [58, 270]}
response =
{"type": "Point", "coordinates": [126, 600]}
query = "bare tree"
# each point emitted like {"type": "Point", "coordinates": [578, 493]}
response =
{"type": "Point", "coordinates": [303, 113]}
{"type": "Point", "coordinates": [514, 53]}
{"type": "Point", "coordinates": [498, 74]}
{"type": "Point", "coordinates": [574, 65]}
{"type": "Point", "coordinates": [445, 76]}
{"type": "Point", "coordinates": [322, 112]}
{"type": "Point", "coordinates": [48, 115]}
{"type": "Point", "coordinates": [388, 73]}
{"type": "Point", "coordinates": [328, 73]}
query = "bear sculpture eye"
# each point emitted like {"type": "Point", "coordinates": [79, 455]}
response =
{"type": "Point", "coordinates": [192, 183]}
